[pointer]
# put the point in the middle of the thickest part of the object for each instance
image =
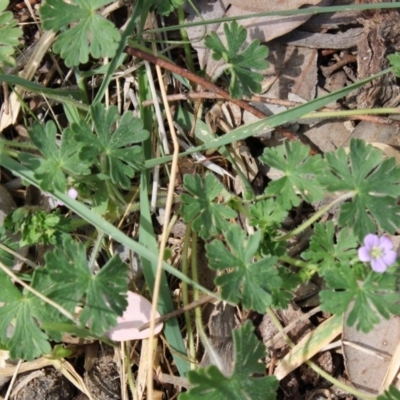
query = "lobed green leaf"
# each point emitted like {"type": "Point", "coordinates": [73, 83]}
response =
{"type": "Point", "coordinates": [21, 316]}
{"type": "Point", "coordinates": [104, 293]}
{"type": "Point", "coordinates": [240, 64]}
{"type": "Point", "coordinates": [61, 160]}
{"type": "Point", "coordinates": [208, 217]}
{"type": "Point", "coordinates": [249, 280]}
{"type": "Point", "coordinates": [113, 146]}
{"type": "Point", "coordinates": [300, 174]}
{"type": "Point", "coordinates": [245, 381]}
{"type": "Point", "coordinates": [90, 34]}
{"type": "Point", "coordinates": [9, 36]}
{"type": "Point", "coordinates": [326, 251]}
{"type": "Point", "coordinates": [267, 214]}
{"type": "Point", "coordinates": [376, 295]}
{"type": "Point", "coordinates": [376, 185]}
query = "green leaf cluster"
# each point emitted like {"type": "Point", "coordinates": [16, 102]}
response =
{"type": "Point", "coordinates": [81, 156]}
{"type": "Point", "coordinates": [67, 280]}
{"type": "Point", "coordinates": [61, 157]}
{"type": "Point", "coordinates": [36, 226]}
{"type": "Point", "coordinates": [254, 276]}
{"type": "Point", "coordinates": [350, 285]}
{"type": "Point", "coordinates": [9, 35]}
{"type": "Point", "coordinates": [115, 150]}
{"type": "Point", "coordinates": [208, 218]}
{"type": "Point", "coordinates": [249, 266]}
{"type": "Point", "coordinates": [84, 31]}
{"type": "Point", "coordinates": [241, 60]}
{"type": "Point", "coordinates": [373, 183]}
{"type": "Point", "coordinates": [367, 297]}
{"type": "Point", "coordinates": [248, 380]}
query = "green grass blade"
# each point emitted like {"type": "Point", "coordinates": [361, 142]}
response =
{"type": "Point", "coordinates": [273, 121]}
{"type": "Point", "coordinates": [140, 11]}
{"type": "Point", "coordinates": [147, 239]}
{"type": "Point", "coordinates": [165, 305]}
{"type": "Point", "coordinates": [71, 97]}
{"type": "Point", "coordinates": [302, 11]}
{"type": "Point", "coordinates": [96, 220]}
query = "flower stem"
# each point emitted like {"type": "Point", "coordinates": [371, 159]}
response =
{"type": "Point", "coordinates": [95, 250]}
{"type": "Point", "coordinates": [185, 296]}
{"type": "Point", "coordinates": [317, 215]}
{"type": "Point", "coordinates": [297, 263]}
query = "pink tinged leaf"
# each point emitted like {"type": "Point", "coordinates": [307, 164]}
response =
{"type": "Point", "coordinates": [137, 313]}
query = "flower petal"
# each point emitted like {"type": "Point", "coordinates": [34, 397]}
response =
{"type": "Point", "coordinates": [371, 241]}
{"type": "Point", "coordinates": [136, 314]}
{"type": "Point", "coordinates": [364, 254]}
{"type": "Point", "coordinates": [389, 257]}
{"type": "Point", "coordinates": [378, 265]}
{"type": "Point", "coordinates": [385, 243]}
{"type": "Point", "coordinates": [73, 193]}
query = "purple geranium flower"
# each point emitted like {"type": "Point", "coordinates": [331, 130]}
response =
{"type": "Point", "coordinates": [378, 251]}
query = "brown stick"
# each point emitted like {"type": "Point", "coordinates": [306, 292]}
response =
{"type": "Point", "coordinates": [269, 100]}
{"type": "Point", "coordinates": [347, 59]}
{"type": "Point", "coordinates": [175, 313]}
{"type": "Point", "coordinates": [194, 78]}
{"type": "Point", "coordinates": [206, 84]}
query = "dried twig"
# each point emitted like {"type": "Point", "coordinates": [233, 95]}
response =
{"type": "Point", "coordinates": [206, 84]}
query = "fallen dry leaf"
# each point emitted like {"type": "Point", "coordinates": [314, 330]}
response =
{"type": "Point", "coordinates": [136, 314]}
{"type": "Point", "coordinates": [367, 355]}
{"type": "Point", "coordinates": [263, 28]}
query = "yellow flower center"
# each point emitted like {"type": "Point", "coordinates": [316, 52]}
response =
{"type": "Point", "coordinates": [376, 252]}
